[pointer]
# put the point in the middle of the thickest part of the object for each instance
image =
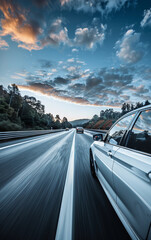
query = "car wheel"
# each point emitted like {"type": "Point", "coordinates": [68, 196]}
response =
{"type": "Point", "coordinates": [92, 168]}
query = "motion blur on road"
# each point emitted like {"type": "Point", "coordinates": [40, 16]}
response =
{"type": "Point", "coordinates": [47, 192]}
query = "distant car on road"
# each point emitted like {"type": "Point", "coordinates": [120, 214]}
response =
{"type": "Point", "coordinates": [79, 130]}
{"type": "Point", "coordinates": [122, 163]}
{"type": "Point", "coordinates": [67, 129]}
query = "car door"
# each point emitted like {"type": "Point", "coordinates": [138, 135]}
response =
{"type": "Point", "coordinates": [132, 175]}
{"type": "Point", "coordinates": [105, 150]}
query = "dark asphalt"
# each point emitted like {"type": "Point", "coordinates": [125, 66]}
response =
{"type": "Point", "coordinates": [32, 180]}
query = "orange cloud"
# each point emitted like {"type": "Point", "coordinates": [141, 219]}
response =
{"type": "Point", "coordinates": [50, 91]}
{"type": "Point", "coordinates": [37, 88]}
{"type": "Point", "coordinates": [15, 24]}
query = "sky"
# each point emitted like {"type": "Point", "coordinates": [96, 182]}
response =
{"type": "Point", "coordinates": [77, 57]}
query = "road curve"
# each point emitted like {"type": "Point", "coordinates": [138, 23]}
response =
{"type": "Point", "coordinates": [47, 192]}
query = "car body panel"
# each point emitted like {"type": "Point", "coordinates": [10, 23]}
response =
{"type": "Point", "coordinates": [133, 188]}
{"type": "Point", "coordinates": [105, 164]}
{"type": "Point", "coordinates": [125, 176]}
{"type": "Point", "coordinates": [121, 216]}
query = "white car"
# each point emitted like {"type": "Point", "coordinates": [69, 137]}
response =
{"type": "Point", "coordinates": [122, 163]}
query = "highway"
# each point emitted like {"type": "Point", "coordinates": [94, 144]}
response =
{"type": "Point", "coordinates": [47, 191]}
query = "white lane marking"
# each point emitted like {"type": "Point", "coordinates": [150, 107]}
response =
{"type": "Point", "coordinates": [64, 228]}
{"type": "Point", "coordinates": [17, 144]}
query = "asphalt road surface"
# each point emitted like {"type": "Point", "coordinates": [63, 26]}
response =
{"type": "Point", "coordinates": [47, 191]}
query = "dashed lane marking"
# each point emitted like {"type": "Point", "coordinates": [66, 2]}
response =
{"type": "Point", "coordinates": [64, 228]}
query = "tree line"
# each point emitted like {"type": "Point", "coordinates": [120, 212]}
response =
{"type": "Point", "coordinates": [110, 116]}
{"type": "Point", "coordinates": [126, 107]}
{"type": "Point", "coordinates": [22, 113]}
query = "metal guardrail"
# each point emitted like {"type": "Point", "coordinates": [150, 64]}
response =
{"type": "Point", "coordinates": [97, 130]}
{"type": "Point", "coordinates": [4, 136]}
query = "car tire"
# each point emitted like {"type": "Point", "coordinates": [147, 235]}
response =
{"type": "Point", "coordinates": [92, 168]}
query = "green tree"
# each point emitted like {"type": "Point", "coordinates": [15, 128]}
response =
{"type": "Point", "coordinates": [27, 115]}
{"type": "Point", "coordinates": [147, 103]}
{"type": "Point", "coordinates": [124, 105]}
{"type": "Point", "coordinates": [128, 107]}
{"type": "Point", "coordinates": [138, 105]}
{"type": "Point", "coordinates": [15, 100]}
{"type": "Point", "coordinates": [65, 123]}
{"type": "Point", "coordinates": [95, 118]}
{"type": "Point", "coordinates": [132, 107]}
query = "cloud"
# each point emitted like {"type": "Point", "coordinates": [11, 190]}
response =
{"type": "Point", "coordinates": [57, 34]}
{"type": "Point", "coordinates": [75, 50]}
{"type": "Point", "coordinates": [61, 81]}
{"type": "Point", "coordinates": [72, 69]}
{"type": "Point", "coordinates": [33, 34]}
{"type": "Point", "coordinates": [140, 90]}
{"type": "Point", "coordinates": [146, 21]}
{"type": "Point", "coordinates": [103, 6]}
{"type": "Point", "coordinates": [27, 32]}
{"type": "Point", "coordinates": [145, 73]}
{"type": "Point", "coordinates": [81, 62]}
{"type": "Point", "coordinates": [125, 97]}
{"type": "Point", "coordinates": [114, 77]}
{"type": "Point", "coordinates": [48, 90]}
{"type": "Point", "coordinates": [64, 2]}
{"type": "Point", "coordinates": [3, 44]}
{"type": "Point", "coordinates": [89, 37]}
{"type": "Point", "coordinates": [92, 82]}
{"type": "Point", "coordinates": [75, 72]}
{"type": "Point", "coordinates": [74, 76]}
{"type": "Point", "coordinates": [49, 74]}
{"type": "Point", "coordinates": [15, 24]}
{"type": "Point", "coordinates": [130, 49]}
{"type": "Point", "coordinates": [43, 88]}
{"type": "Point", "coordinates": [106, 86]}
{"type": "Point", "coordinates": [45, 63]}
{"type": "Point", "coordinates": [84, 37]}
{"type": "Point", "coordinates": [41, 3]}
{"type": "Point", "coordinates": [30, 47]}
{"type": "Point", "coordinates": [22, 74]}
{"type": "Point", "coordinates": [54, 70]}
{"type": "Point", "coordinates": [77, 87]}
{"type": "Point", "coordinates": [71, 60]}
{"type": "Point", "coordinates": [15, 77]}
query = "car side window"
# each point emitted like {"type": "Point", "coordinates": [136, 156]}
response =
{"type": "Point", "coordinates": [139, 138]}
{"type": "Point", "coordinates": [117, 132]}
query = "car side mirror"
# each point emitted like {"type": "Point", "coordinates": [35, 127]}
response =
{"type": "Point", "coordinates": [98, 137]}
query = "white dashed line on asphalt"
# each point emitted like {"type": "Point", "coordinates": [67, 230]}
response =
{"type": "Point", "coordinates": [64, 228]}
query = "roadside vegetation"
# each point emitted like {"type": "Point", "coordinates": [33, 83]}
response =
{"type": "Point", "coordinates": [25, 113]}
{"type": "Point", "coordinates": [109, 116]}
